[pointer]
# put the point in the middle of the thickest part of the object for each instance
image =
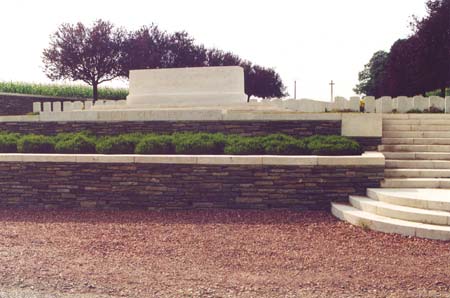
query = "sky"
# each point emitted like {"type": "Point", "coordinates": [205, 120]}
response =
{"type": "Point", "coordinates": [308, 41]}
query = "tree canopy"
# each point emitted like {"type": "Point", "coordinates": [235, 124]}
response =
{"type": "Point", "coordinates": [103, 52]}
{"type": "Point", "coordinates": [414, 65]}
{"type": "Point", "coordinates": [88, 54]}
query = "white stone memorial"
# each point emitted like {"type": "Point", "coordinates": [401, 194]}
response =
{"type": "Point", "coordinates": [36, 107]}
{"type": "Point", "coordinates": [404, 104]}
{"type": "Point", "coordinates": [421, 103]}
{"type": "Point", "coordinates": [47, 106]}
{"type": "Point", "coordinates": [354, 104]}
{"type": "Point", "coordinates": [369, 104]}
{"type": "Point", "coordinates": [195, 86]}
{"type": "Point", "coordinates": [385, 105]}
{"type": "Point", "coordinates": [437, 102]}
{"type": "Point", "coordinates": [447, 104]}
{"type": "Point", "coordinates": [57, 106]}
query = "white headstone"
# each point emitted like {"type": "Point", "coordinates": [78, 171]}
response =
{"type": "Point", "coordinates": [437, 102]}
{"type": "Point", "coordinates": [404, 104]}
{"type": "Point", "coordinates": [421, 103]}
{"type": "Point", "coordinates": [192, 86]}
{"type": "Point", "coordinates": [311, 106]}
{"type": "Point", "coordinates": [354, 104]}
{"type": "Point", "coordinates": [77, 106]}
{"type": "Point", "coordinates": [56, 106]}
{"type": "Point", "coordinates": [447, 104]}
{"type": "Point", "coordinates": [369, 104]}
{"type": "Point", "coordinates": [339, 104]}
{"type": "Point", "coordinates": [384, 104]}
{"type": "Point", "coordinates": [67, 106]}
{"type": "Point", "coordinates": [36, 107]}
{"type": "Point", "coordinates": [88, 105]}
{"type": "Point", "coordinates": [47, 106]}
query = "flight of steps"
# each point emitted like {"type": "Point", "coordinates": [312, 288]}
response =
{"type": "Point", "coordinates": [415, 196]}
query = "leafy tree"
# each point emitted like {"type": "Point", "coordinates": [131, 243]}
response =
{"type": "Point", "coordinates": [405, 75]}
{"type": "Point", "coordinates": [182, 51]}
{"type": "Point", "coordinates": [433, 33]}
{"type": "Point", "coordinates": [372, 78]}
{"type": "Point", "coordinates": [263, 82]}
{"type": "Point", "coordinates": [88, 54]}
{"type": "Point", "coordinates": [216, 57]}
{"type": "Point", "coordinates": [144, 48]}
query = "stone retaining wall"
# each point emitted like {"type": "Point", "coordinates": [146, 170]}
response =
{"type": "Point", "coordinates": [184, 182]}
{"type": "Point", "coordinates": [250, 128]}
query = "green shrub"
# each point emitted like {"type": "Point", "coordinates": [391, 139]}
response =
{"type": "Point", "coordinates": [154, 144]}
{"type": "Point", "coordinates": [35, 144]}
{"type": "Point", "coordinates": [121, 144]}
{"type": "Point", "coordinates": [199, 143]}
{"type": "Point", "coordinates": [279, 144]}
{"type": "Point", "coordinates": [8, 142]}
{"type": "Point", "coordinates": [237, 145]}
{"type": "Point", "coordinates": [332, 145]}
{"type": "Point", "coordinates": [78, 143]}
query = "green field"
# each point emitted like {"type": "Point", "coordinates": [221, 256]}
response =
{"type": "Point", "coordinates": [78, 91]}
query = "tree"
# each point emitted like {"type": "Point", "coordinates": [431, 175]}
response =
{"type": "Point", "coordinates": [372, 78]}
{"type": "Point", "coordinates": [88, 54]}
{"type": "Point", "coordinates": [144, 48]}
{"type": "Point", "coordinates": [182, 51]}
{"type": "Point", "coordinates": [433, 33]}
{"type": "Point", "coordinates": [216, 57]}
{"type": "Point", "coordinates": [405, 73]}
{"type": "Point", "coordinates": [263, 82]}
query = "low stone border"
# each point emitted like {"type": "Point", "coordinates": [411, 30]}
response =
{"type": "Point", "coordinates": [366, 159]}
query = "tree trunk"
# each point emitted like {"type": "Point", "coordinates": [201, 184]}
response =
{"type": "Point", "coordinates": [248, 98]}
{"type": "Point", "coordinates": [95, 91]}
{"type": "Point", "coordinates": [443, 91]}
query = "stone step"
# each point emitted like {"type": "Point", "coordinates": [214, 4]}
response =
{"type": "Point", "coordinates": [418, 155]}
{"type": "Point", "coordinates": [417, 173]}
{"type": "Point", "coordinates": [414, 148]}
{"type": "Point", "coordinates": [416, 183]}
{"type": "Point", "coordinates": [420, 127]}
{"type": "Point", "coordinates": [401, 212]}
{"type": "Point", "coordinates": [416, 121]}
{"type": "Point", "coordinates": [416, 134]}
{"type": "Point", "coordinates": [417, 164]}
{"type": "Point", "coordinates": [430, 199]}
{"type": "Point", "coordinates": [389, 225]}
{"type": "Point", "coordinates": [416, 141]}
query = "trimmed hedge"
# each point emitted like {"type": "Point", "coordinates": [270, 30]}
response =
{"type": "Point", "coordinates": [178, 143]}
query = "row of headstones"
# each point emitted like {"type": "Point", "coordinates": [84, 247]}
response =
{"type": "Point", "coordinates": [405, 104]}
{"type": "Point", "coordinates": [57, 106]}
{"type": "Point", "coordinates": [68, 106]}
{"type": "Point", "coordinates": [315, 106]}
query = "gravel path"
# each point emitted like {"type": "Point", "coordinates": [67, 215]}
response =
{"type": "Point", "coordinates": [211, 254]}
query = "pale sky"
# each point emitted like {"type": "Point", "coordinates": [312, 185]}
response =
{"type": "Point", "coordinates": [311, 41]}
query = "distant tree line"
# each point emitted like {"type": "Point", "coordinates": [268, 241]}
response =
{"type": "Point", "coordinates": [415, 65]}
{"type": "Point", "coordinates": [104, 52]}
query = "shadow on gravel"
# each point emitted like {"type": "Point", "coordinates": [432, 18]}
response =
{"type": "Point", "coordinates": [248, 217]}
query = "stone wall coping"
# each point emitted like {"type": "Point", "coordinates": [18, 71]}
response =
{"type": "Point", "coordinates": [366, 159]}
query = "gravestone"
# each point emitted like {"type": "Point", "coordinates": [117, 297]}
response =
{"type": "Point", "coordinates": [354, 104]}
{"type": "Point", "coordinates": [36, 107]}
{"type": "Point", "coordinates": [385, 104]}
{"type": "Point", "coordinates": [437, 102]}
{"type": "Point", "coordinates": [47, 106]}
{"type": "Point", "coordinates": [421, 103]}
{"type": "Point", "coordinates": [57, 106]}
{"type": "Point", "coordinates": [369, 104]}
{"type": "Point", "coordinates": [404, 104]}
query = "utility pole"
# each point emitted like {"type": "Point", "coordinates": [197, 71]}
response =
{"type": "Point", "coordinates": [332, 90]}
{"type": "Point", "coordinates": [295, 89]}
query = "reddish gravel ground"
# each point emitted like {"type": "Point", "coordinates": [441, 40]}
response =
{"type": "Point", "coordinates": [212, 254]}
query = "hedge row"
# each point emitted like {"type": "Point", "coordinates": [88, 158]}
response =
{"type": "Point", "coordinates": [178, 143]}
